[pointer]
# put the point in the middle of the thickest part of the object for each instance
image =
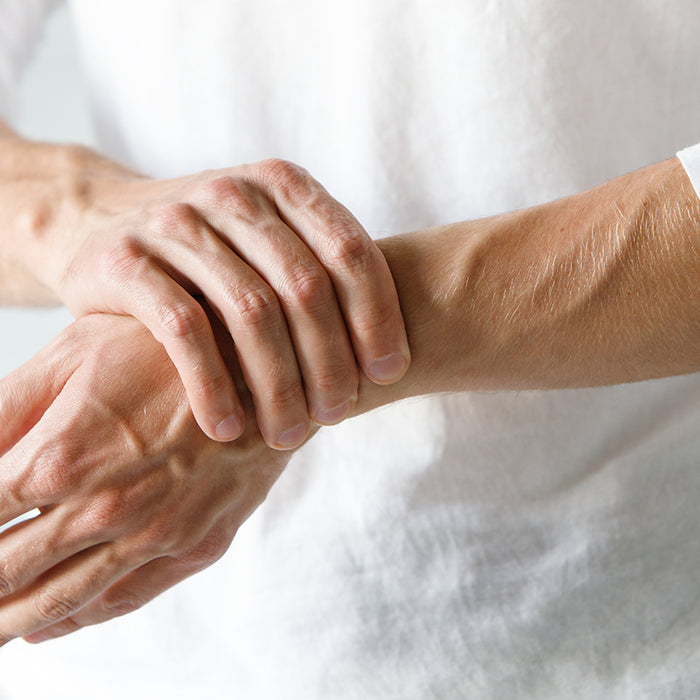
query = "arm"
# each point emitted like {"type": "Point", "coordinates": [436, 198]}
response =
{"type": "Point", "coordinates": [304, 292]}
{"type": "Point", "coordinates": [602, 287]}
{"type": "Point", "coordinates": [97, 434]}
{"type": "Point", "coordinates": [592, 289]}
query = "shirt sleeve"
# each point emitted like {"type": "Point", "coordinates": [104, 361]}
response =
{"type": "Point", "coordinates": [690, 157]}
{"type": "Point", "coordinates": [21, 24]}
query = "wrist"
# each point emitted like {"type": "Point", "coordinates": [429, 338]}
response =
{"type": "Point", "coordinates": [48, 189]}
{"type": "Point", "coordinates": [602, 287]}
{"type": "Point", "coordinates": [426, 268]}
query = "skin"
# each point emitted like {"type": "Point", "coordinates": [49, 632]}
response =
{"type": "Point", "coordinates": [303, 290]}
{"type": "Point", "coordinates": [598, 288]}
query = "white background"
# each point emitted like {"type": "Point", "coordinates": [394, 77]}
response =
{"type": "Point", "coordinates": [53, 108]}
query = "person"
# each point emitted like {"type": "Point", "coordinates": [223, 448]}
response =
{"type": "Point", "coordinates": [478, 544]}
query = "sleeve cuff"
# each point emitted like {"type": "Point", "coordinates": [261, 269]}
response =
{"type": "Point", "coordinates": [690, 158]}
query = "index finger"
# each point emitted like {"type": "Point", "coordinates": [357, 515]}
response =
{"type": "Point", "coordinates": [25, 396]}
{"type": "Point", "coordinates": [359, 272]}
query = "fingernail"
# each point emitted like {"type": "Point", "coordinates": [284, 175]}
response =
{"type": "Point", "coordinates": [293, 436]}
{"type": "Point", "coordinates": [388, 369]}
{"type": "Point", "coordinates": [229, 428]}
{"type": "Point", "coordinates": [330, 416]}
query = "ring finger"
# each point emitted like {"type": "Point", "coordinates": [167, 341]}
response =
{"type": "Point", "coordinates": [63, 590]}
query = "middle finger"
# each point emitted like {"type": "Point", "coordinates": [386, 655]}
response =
{"type": "Point", "coordinates": [321, 340]}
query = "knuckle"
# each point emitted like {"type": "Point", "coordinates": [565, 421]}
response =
{"type": "Point", "coordinates": [375, 320]}
{"type": "Point", "coordinates": [120, 604]}
{"type": "Point", "coordinates": [53, 607]}
{"type": "Point", "coordinates": [349, 248]}
{"type": "Point", "coordinates": [9, 581]}
{"type": "Point", "coordinates": [285, 393]}
{"type": "Point", "coordinates": [278, 169]}
{"type": "Point", "coordinates": [182, 320]}
{"type": "Point", "coordinates": [53, 468]}
{"type": "Point", "coordinates": [134, 506]}
{"type": "Point", "coordinates": [307, 288]}
{"type": "Point", "coordinates": [121, 260]}
{"type": "Point", "coordinates": [5, 638]}
{"type": "Point", "coordinates": [290, 178]}
{"type": "Point", "coordinates": [107, 511]}
{"type": "Point", "coordinates": [163, 535]}
{"type": "Point", "coordinates": [256, 307]}
{"type": "Point", "coordinates": [233, 193]}
{"type": "Point", "coordinates": [337, 379]}
{"type": "Point", "coordinates": [217, 188]}
{"type": "Point", "coordinates": [212, 384]}
{"type": "Point", "coordinates": [169, 217]}
{"type": "Point", "coordinates": [206, 552]}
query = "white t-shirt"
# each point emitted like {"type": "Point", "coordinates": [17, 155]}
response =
{"type": "Point", "coordinates": [503, 545]}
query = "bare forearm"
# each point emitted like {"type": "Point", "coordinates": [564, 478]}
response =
{"type": "Point", "coordinates": [302, 287]}
{"type": "Point", "coordinates": [43, 189]}
{"type": "Point", "coordinates": [599, 288]}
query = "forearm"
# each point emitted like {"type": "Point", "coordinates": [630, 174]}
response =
{"type": "Point", "coordinates": [43, 189]}
{"type": "Point", "coordinates": [301, 286]}
{"type": "Point", "coordinates": [598, 288]}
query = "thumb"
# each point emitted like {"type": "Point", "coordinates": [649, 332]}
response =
{"type": "Point", "coordinates": [26, 393]}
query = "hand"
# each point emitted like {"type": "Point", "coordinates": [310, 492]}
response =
{"type": "Point", "coordinates": [133, 497]}
{"type": "Point", "coordinates": [300, 285]}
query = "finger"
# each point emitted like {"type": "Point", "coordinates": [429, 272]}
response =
{"type": "Point", "coordinates": [316, 326]}
{"type": "Point", "coordinates": [357, 268]}
{"type": "Point", "coordinates": [34, 546]}
{"type": "Point", "coordinates": [25, 397]}
{"type": "Point", "coordinates": [26, 393]}
{"type": "Point", "coordinates": [141, 288]}
{"type": "Point", "coordinates": [127, 595]}
{"type": "Point", "coordinates": [29, 472]}
{"type": "Point", "coordinates": [144, 583]}
{"type": "Point", "coordinates": [50, 462]}
{"type": "Point", "coordinates": [62, 591]}
{"type": "Point", "coordinates": [252, 313]}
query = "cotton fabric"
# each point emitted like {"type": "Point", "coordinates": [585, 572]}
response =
{"type": "Point", "coordinates": [20, 30]}
{"type": "Point", "coordinates": [690, 158]}
{"type": "Point", "coordinates": [493, 545]}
